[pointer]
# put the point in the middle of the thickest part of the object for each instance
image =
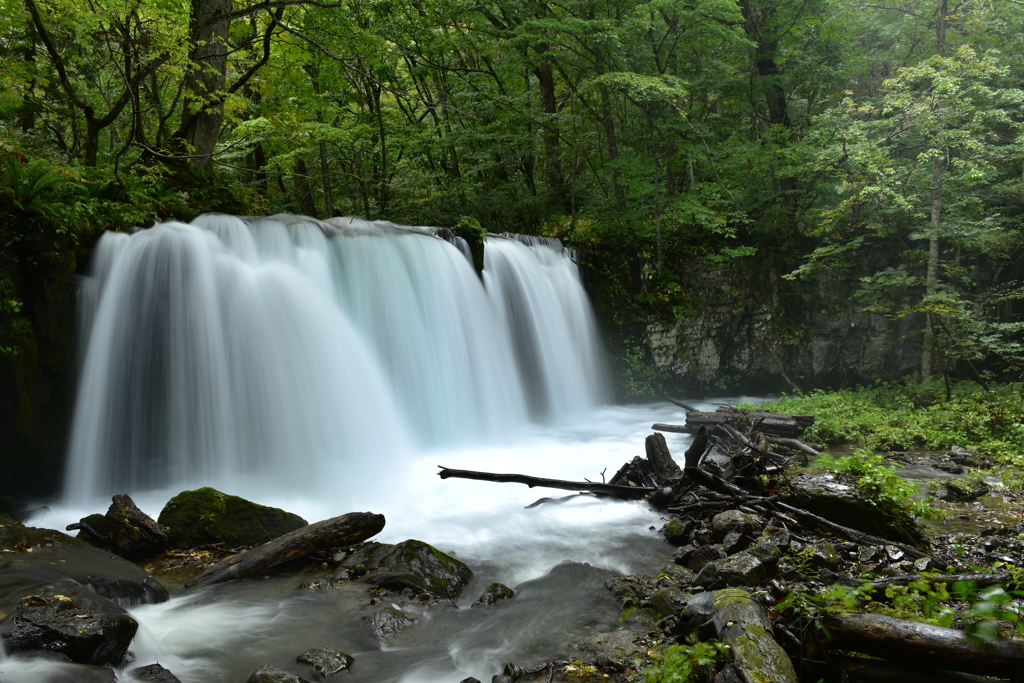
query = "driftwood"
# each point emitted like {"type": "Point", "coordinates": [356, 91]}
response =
{"type": "Point", "coordinates": [741, 623]}
{"type": "Point", "coordinates": [859, 670]}
{"type": "Point", "coordinates": [684, 406]}
{"type": "Point", "coordinates": [772, 424]}
{"type": "Point", "coordinates": [628, 492]}
{"type": "Point", "coordinates": [915, 644]}
{"type": "Point", "coordinates": [795, 444]}
{"type": "Point", "coordinates": [720, 485]}
{"type": "Point", "coordinates": [337, 531]}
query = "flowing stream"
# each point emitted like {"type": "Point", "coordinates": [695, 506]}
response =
{"type": "Point", "coordinates": [329, 367]}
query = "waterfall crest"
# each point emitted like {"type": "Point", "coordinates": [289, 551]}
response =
{"type": "Point", "coordinates": [279, 349]}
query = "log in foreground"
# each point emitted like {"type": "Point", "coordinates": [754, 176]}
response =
{"type": "Point", "coordinates": [857, 670]}
{"type": "Point", "coordinates": [914, 644]}
{"type": "Point", "coordinates": [629, 492]}
{"type": "Point", "coordinates": [329, 533]}
{"type": "Point", "coordinates": [741, 623]}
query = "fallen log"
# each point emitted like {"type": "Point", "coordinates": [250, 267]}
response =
{"type": "Point", "coordinates": [858, 670]}
{"type": "Point", "coordinates": [741, 623]}
{"type": "Point", "coordinates": [628, 492]}
{"type": "Point", "coordinates": [772, 424]}
{"type": "Point", "coordinates": [684, 406]}
{"type": "Point", "coordinates": [979, 580]}
{"type": "Point", "coordinates": [329, 533]}
{"type": "Point", "coordinates": [915, 644]}
{"type": "Point", "coordinates": [795, 444]}
{"type": "Point", "coordinates": [720, 485]}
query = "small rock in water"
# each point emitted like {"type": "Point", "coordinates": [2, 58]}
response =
{"type": "Point", "coordinates": [470, 680]}
{"type": "Point", "coordinates": [494, 593]}
{"type": "Point", "coordinates": [677, 531]}
{"type": "Point", "coordinates": [325, 661]}
{"type": "Point", "coordinates": [271, 674]}
{"type": "Point", "coordinates": [386, 623]}
{"type": "Point", "coordinates": [154, 673]}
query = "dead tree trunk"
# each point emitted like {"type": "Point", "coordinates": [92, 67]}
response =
{"type": "Point", "coordinates": [337, 531]}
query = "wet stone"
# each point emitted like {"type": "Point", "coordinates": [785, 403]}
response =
{"type": "Point", "coordinates": [677, 573]}
{"type": "Point", "coordinates": [682, 555]}
{"type": "Point", "coordinates": [85, 627]}
{"type": "Point", "coordinates": [386, 623]}
{"type": "Point", "coordinates": [501, 678]}
{"type": "Point", "coordinates": [325, 661]}
{"type": "Point", "coordinates": [154, 673]}
{"type": "Point", "coordinates": [513, 671]}
{"type": "Point", "coordinates": [271, 674]}
{"type": "Point", "coordinates": [735, 541]}
{"type": "Point", "coordinates": [742, 569]}
{"type": "Point", "coordinates": [470, 680]}
{"type": "Point", "coordinates": [668, 601]}
{"type": "Point", "coordinates": [677, 531]}
{"type": "Point", "coordinates": [768, 554]}
{"type": "Point", "coordinates": [702, 556]}
{"type": "Point", "coordinates": [869, 553]}
{"type": "Point", "coordinates": [734, 521]}
{"type": "Point", "coordinates": [825, 556]}
{"type": "Point", "coordinates": [776, 536]}
{"type": "Point", "coordinates": [494, 593]}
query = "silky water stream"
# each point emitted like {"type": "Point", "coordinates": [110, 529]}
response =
{"type": "Point", "coordinates": [328, 367]}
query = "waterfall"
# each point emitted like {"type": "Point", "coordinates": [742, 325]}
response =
{"type": "Point", "coordinates": [293, 353]}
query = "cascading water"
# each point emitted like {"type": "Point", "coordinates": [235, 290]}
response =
{"type": "Point", "coordinates": [260, 350]}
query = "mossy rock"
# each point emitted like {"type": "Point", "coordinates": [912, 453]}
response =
{"type": "Point", "coordinates": [412, 565]}
{"type": "Point", "coordinates": [206, 515]}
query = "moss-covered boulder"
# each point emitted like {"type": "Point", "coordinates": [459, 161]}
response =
{"type": "Point", "coordinates": [412, 565]}
{"type": "Point", "coordinates": [206, 515]}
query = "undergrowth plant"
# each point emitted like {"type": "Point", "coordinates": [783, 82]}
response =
{"type": "Point", "coordinates": [684, 663]}
{"type": "Point", "coordinates": [880, 485]}
{"type": "Point", "coordinates": [908, 414]}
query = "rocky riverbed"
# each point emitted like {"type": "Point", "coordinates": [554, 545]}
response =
{"type": "Point", "coordinates": [724, 536]}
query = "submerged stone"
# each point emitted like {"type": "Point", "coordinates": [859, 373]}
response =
{"type": "Point", "coordinates": [386, 623]}
{"type": "Point", "coordinates": [154, 673]}
{"type": "Point", "coordinates": [325, 661]}
{"type": "Point", "coordinates": [85, 627]}
{"type": "Point", "coordinates": [494, 593]}
{"type": "Point", "coordinates": [271, 674]}
{"type": "Point", "coordinates": [412, 565]}
{"type": "Point", "coordinates": [207, 516]}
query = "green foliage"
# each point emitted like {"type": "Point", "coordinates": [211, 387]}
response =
{"type": "Point", "coordinates": [880, 485]}
{"type": "Point", "coordinates": [685, 663]}
{"type": "Point", "coordinates": [910, 414]}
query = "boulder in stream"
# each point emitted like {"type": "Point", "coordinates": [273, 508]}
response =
{"type": "Point", "coordinates": [386, 623]}
{"type": "Point", "coordinates": [154, 673]}
{"type": "Point", "coordinates": [125, 530]}
{"type": "Point", "coordinates": [55, 555]}
{"type": "Point", "coordinates": [411, 564]}
{"type": "Point", "coordinates": [271, 674]}
{"type": "Point", "coordinates": [83, 626]}
{"type": "Point", "coordinates": [206, 515]}
{"type": "Point", "coordinates": [325, 661]}
{"type": "Point", "coordinates": [494, 593]}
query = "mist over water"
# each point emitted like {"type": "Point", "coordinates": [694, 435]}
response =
{"type": "Point", "coordinates": [255, 352]}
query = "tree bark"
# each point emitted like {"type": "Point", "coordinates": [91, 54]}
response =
{"type": "Point", "coordinates": [916, 644]}
{"type": "Point", "coordinates": [337, 531]}
{"type": "Point", "coordinates": [628, 492]}
{"type": "Point", "coordinates": [204, 111]}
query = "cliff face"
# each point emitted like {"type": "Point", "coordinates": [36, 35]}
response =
{"type": "Point", "coordinates": [747, 329]}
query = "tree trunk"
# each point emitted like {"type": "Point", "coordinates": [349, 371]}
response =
{"type": "Point", "coordinates": [303, 191]}
{"type": "Point", "coordinates": [337, 531]}
{"type": "Point", "coordinates": [204, 110]}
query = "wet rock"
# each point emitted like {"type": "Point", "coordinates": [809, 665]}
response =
{"type": "Point", "coordinates": [207, 516]}
{"type": "Point", "coordinates": [702, 556]}
{"type": "Point", "coordinates": [125, 530]}
{"type": "Point", "coordinates": [735, 541]}
{"type": "Point", "coordinates": [742, 569]}
{"type": "Point", "coordinates": [46, 550]}
{"type": "Point", "coordinates": [768, 554]}
{"type": "Point", "coordinates": [924, 564]}
{"type": "Point", "coordinates": [470, 680]}
{"type": "Point", "coordinates": [386, 623]}
{"type": "Point", "coordinates": [325, 661]}
{"type": "Point", "coordinates": [734, 521]}
{"type": "Point", "coordinates": [668, 601]}
{"type": "Point", "coordinates": [317, 585]}
{"type": "Point", "coordinates": [869, 553]}
{"type": "Point", "coordinates": [776, 536]}
{"type": "Point", "coordinates": [271, 674]}
{"type": "Point", "coordinates": [494, 593]}
{"type": "Point", "coordinates": [829, 577]}
{"type": "Point", "coordinates": [631, 591]}
{"type": "Point", "coordinates": [85, 627]}
{"type": "Point", "coordinates": [677, 574]}
{"type": "Point", "coordinates": [682, 555]}
{"type": "Point", "coordinates": [677, 531]}
{"type": "Point", "coordinates": [825, 556]}
{"type": "Point", "coordinates": [616, 645]}
{"type": "Point", "coordinates": [154, 673]}
{"type": "Point", "coordinates": [707, 577]}
{"type": "Point", "coordinates": [501, 678]}
{"type": "Point", "coordinates": [513, 671]}
{"type": "Point", "coordinates": [410, 564]}
{"type": "Point", "coordinates": [701, 534]}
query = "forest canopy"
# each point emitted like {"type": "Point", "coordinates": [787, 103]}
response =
{"type": "Point", "coordinates": [646, 128]}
